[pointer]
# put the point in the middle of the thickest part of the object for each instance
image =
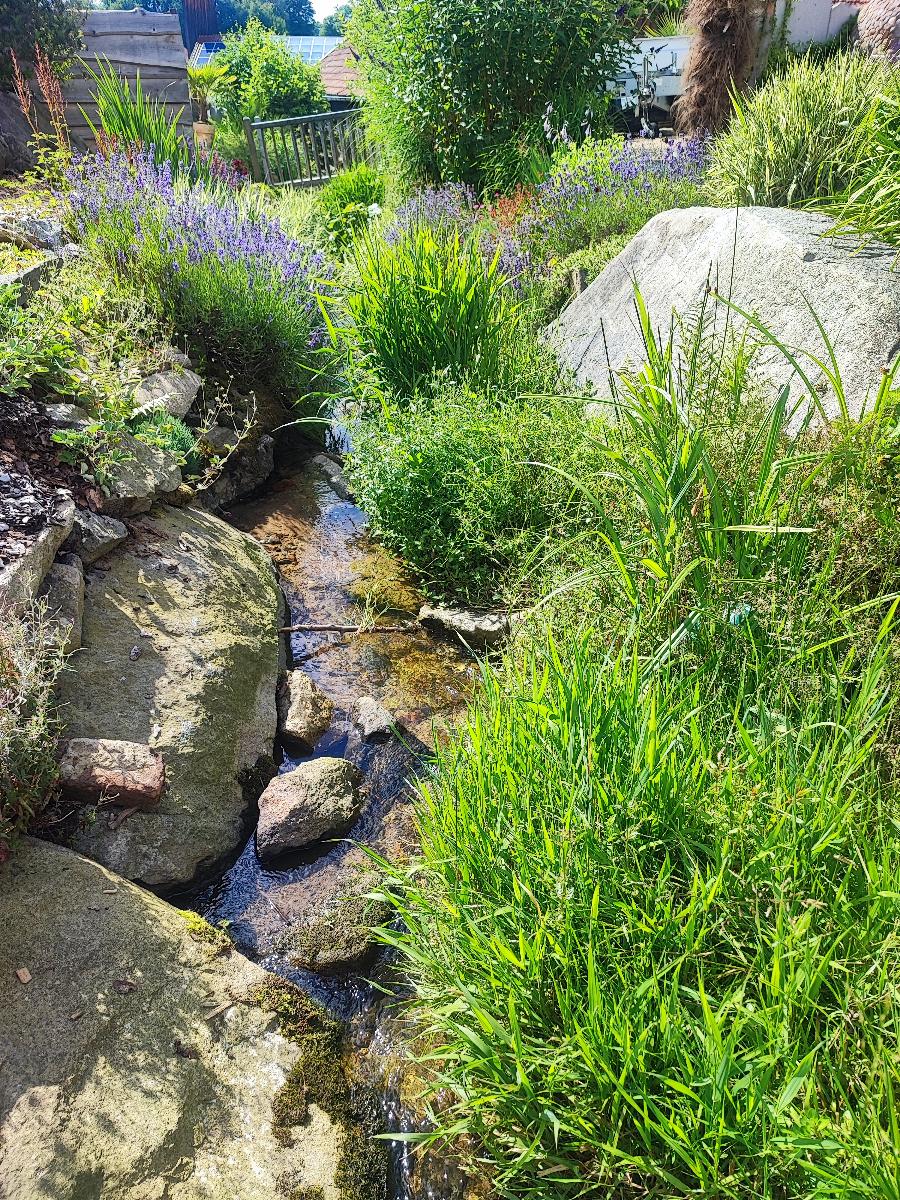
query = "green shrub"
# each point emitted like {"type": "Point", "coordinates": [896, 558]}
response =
{"type": "Point", "coordinates": [35, 353]}
{"type": "Point", "coordinates": [447, 81]}
{"type": "Point", "coordinates": [424, 304]}
{"type": "Point", "coordinates": [54, 25]}
{"type": "Point", "coordinates": [30, 660]}
{"type": "Point", "coordinates": [798, 138]}
{"type": "Point", "coordinates": [264, 79]}
{"type": "Point", "coordinates": [555, 292]}
{"type": "Point", "coordinates": [349, 203]}
{"type": "Point", "coordinates": [453, 482]}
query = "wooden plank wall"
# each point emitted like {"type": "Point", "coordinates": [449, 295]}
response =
{"type": "Point", "coordinates": [133, 41]}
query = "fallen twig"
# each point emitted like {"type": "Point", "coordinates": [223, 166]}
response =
{"type": "Point", "coordinates": [404, 628]}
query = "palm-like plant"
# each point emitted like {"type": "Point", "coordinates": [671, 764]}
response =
{"type": "Point", "coordinates": [203, 82]}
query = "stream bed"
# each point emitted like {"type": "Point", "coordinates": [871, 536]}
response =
{"type": "Point", "coordinates": [335, 573]}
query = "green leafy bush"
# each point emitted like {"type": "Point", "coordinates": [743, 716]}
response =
{"type": "Point", "coordinates": [30, 660]}
{"type": "Point", "coordinates": [264, 79]}
{"type": "Point", "coordinates": [349, 202]}
{"type": "Point", "coordinates": [799, 137]}
{"type": "Point", "coordinates": [424, 304]}
{"type": "Point", "coordinates": [447, 81]}
{"type": "Point", "coordinates": [36, 353]}
{"type": "Point", "coordinates": [54, 25]}
{"type": "Point", "coordinates": [454, 482]}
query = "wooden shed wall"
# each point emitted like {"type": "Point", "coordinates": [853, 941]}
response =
{"type": "Point", "coordinates": [132, 41]}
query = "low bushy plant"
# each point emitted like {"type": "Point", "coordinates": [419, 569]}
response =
{"type": "Point", "coordinates": [453, 481]}
{"type": "Point", "coordinates": [30, 661]}
{"type": "Point", "coordinates": [350, 202]}
{"type": "Point", "coordinates": [229, 279]}
{"type": "Point", "coordinates": [799, 137]}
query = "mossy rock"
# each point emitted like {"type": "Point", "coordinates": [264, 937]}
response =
{"type": "Point", "coordinates": [180, 650]}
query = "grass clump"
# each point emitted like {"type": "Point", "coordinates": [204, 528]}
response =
{"type": "Point", "coordinates": [644, 910]}
{"type": "Point", "coordinates": [30, 661]}
{"type": "Point", "coordinates": [869, 205]}
{"type": "Point", "coordinates": [426, 303]}
{"type": "Point", "coordinates": [800, 137]}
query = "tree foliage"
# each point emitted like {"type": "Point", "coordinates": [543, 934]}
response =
{"type": "Point", "coordinates": [450, 81]}
{"type": "Point", "coordinates": [55, 25]}
{"type": "Point", "coordinates": [264, 79]}
{"type": "Point", "coordinates": [335, 23]}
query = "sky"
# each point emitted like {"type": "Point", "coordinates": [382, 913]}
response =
{"type": "Point", "coordinates": [324, 7]}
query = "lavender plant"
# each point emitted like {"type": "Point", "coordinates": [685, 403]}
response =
{"type": "Point", "coordinates": [230, 279]}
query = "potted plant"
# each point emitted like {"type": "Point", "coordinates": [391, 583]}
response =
{"type": "Point", "coordinates": [203, 82]}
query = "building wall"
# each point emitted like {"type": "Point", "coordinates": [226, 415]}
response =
{"type": "Point", "coordinates": [132, 41]}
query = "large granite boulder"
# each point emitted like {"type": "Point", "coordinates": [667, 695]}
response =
{"type": "Point", "coordinates": [137, 1062]}
{"type": "Point", "coordinates": [774, 263]}
{"type": "Point", "coordinates": [180, 651]}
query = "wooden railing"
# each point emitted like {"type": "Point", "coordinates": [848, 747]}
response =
{"type": "Point", "coordinates": [304, 151]}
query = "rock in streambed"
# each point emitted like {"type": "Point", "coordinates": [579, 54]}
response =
{"type": "Point", "coordinates": [180, 653]}
{"type": "Point", "coordinates": [310, 802]}
{"type": "Point", "coordinates": [138, 1060]}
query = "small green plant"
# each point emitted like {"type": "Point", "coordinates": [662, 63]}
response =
{"type": "Point", "coordinates": [30, 661]}
{"type": "Point", "coordinates": [799, 138]}
{"type": "Point", "coordinates": [350, 202]}
{"type": "Point", "coordinates": [204, 82]}
{"type": "Point", "coordinates": [425, 304]}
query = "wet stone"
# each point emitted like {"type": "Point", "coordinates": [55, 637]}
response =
{"type": "Point", "coordinates": [311, 802]}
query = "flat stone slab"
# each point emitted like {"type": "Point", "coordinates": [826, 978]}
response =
{"type": "Point", "coordinates": [172, 390]}
{"type": "Point", "coordinates": [773, 263]}
{"type": "Point", "coordinates": [478, 630]}
{"type": "Point", "coordinates": [94, 535]}
{"type": "Point", "coordinates": [128, 774]}
{"type": "Point", "coordinates": [63, 591]}
{"type": "Point", "coordinates": [21, 580]}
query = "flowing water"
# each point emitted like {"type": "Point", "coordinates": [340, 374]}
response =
{"type": "Point", "coordinates": [334, 573]}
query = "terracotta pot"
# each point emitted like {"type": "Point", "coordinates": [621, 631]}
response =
{"type": "Point", "coordinates": [204, 133]}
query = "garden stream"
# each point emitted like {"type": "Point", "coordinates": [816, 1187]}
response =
{"type": "Point", "coordinates": [335, 573]}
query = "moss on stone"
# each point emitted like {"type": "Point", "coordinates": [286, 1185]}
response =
{"type": "Point", "coordinates": [201, 931]}
{"type": "Point", "coordinates": [340, 938]}
{"type": "Point", "coordinates": [320, 1077]}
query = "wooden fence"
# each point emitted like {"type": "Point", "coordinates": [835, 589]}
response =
{"type": "Point", "coordinates": [131, 41]}
{"type": "Point", "coordinates": [304, 151]}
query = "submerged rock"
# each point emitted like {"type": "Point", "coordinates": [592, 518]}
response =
{"type": "Point", "coordinates": [94, 535]}
{"type": "Point", "coordinates": [310, 802]}
{"type": "Point", "coordinates": [304, 712]}
{"type": "Point", "coordinates": [372, 717]}
{"type": "Point", "coordinates": [477, 629]}
{"type": "Point", "coordinates": [772, 262]}
{"type": "Point", "coordinates": [137, 1060]}
{"type": "Point", "coordinates": [180, 651]}
{"type": "Point", "coordinates": [341, 937]}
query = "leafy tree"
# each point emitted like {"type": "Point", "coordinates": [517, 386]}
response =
{"type": "Point", "coordinates": [450, 83]}
{"type": "Point", "coordinates": [335, 23]}
{"type": "Point", "coordinates": [235, 15]}
{"type": "Point", "coordinates": [54, 24]}
{"type": "Point", "coordinates": [265, 79]}
{"type": "Point", "coordinates": [298, 16]}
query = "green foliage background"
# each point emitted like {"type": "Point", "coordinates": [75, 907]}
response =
{"type": "Point", "coordinates": [54, 24]}
{"type": "Point", "coordinates": [449, 81]}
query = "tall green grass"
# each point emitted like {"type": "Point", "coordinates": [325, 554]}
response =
{"type": "Point", "coordinates": [871, 203]}
{"type": "Point", "coordinates": [799, 137]}
{"type": "Point", "coordinates": [426, 303]}
{"type": "Point", "coordinates": [136, 120]}
{"type": "Point", "coordinates": [654, 927]}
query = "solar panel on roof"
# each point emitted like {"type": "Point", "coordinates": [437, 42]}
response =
{"type": "Point", "coordinates": [311, 49]}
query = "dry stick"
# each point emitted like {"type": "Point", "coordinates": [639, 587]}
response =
{"type": "Point", "coordinates": [405, 628]}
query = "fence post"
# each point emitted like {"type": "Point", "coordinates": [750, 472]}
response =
{"type": "Point", "coordinates": [255, 169]}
